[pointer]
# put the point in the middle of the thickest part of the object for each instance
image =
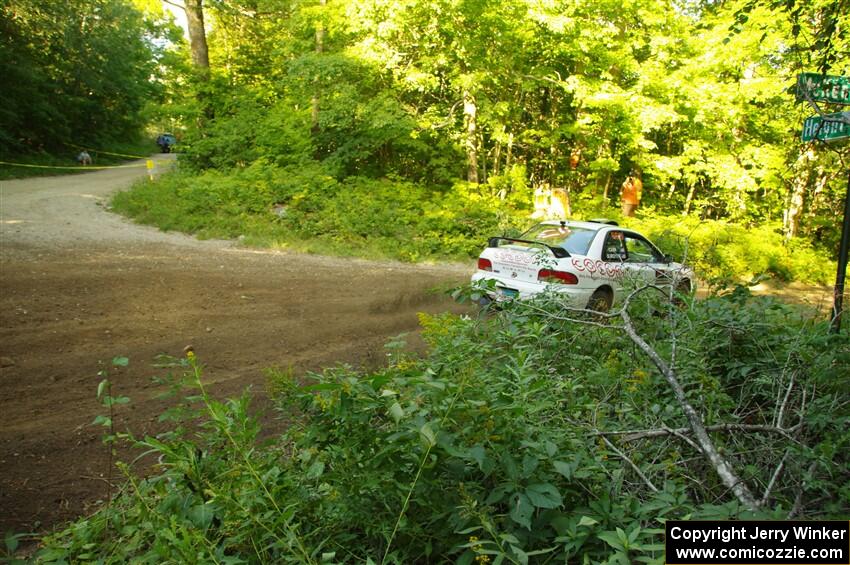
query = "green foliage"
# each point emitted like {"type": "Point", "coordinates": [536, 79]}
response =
{"type": "Point", "coordinates": [723, 252]}
{"type": "Point", "coordinates": [492, 447]}
{"type": "Point", "coordinates": [829, 43]}
{"type": "Point", "coordinates": [200, 505]}
{"type": "Point", "coordinates": [74, 72]}
{"type": "Point", "coordinates": [304, 206]}
{"type": "Point", "coordinates": [8, 551]}
{"type": "Point", "coordinates": [104, 396]}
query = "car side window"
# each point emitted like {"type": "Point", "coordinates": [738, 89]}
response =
{"type": "Point", "coordinates": [640, 250]}
{"type": "Point", "coordinates": [614, 248]}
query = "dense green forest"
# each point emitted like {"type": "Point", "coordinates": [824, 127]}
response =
{"type": "Point", "coordinates": [76, 73]}
{"type": "Point", "coordinates": [414, 129]}
{"type": "Point", "coordinates": [433, 123]}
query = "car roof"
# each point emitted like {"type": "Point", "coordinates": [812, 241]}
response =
{"type": "Point", "coordinates": [585, 225]}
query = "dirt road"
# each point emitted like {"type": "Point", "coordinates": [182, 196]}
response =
{"type": "Point", "coordinates": [79, 286]}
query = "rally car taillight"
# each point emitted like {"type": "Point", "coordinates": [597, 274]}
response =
{"type": "Point", "coordinates": [553, 276]}
{"type": "Point", "coordinates": [485, 264]}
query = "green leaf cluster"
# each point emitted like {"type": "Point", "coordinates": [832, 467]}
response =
{"type": "Point", "coordinates": [491, 448]}
{"type": "Point", "coordinates": [75, 73]}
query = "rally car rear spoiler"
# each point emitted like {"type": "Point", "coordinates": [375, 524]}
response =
{"type": "Point", "coordinates": [558, 252]}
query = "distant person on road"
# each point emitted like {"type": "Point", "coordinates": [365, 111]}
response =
{"type": "Point", "coordinates": [630, 197]}
{"type": "Point", "coordinates": [84, 158]}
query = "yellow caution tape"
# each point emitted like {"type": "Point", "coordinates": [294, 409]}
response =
{"type": "Point", "coordinates": [76, 168]}
{"type": "Point", "coordinates": [106, 152]}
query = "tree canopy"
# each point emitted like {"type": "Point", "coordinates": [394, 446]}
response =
{"type": "Point", "coordinates": [513, 97]}
{"type": "Point", "coordinates": [522, 94]}
{"type": "Point", "coordinates": [75, 72]}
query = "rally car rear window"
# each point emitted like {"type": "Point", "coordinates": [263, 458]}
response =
{"type": "Point", "coordinates": [574, 239]}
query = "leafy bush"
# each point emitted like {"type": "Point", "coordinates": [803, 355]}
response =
{"type": "Point", "coordinates": [724, 251]}
{"type": "Point", "coordinates": [305, 206]}
{"type": "Point", "coordinates": [517, 439]}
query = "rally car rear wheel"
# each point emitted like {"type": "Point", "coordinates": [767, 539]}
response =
{"type": "Point", "coordinates": [600, 300]}
{"type": "Point", "coordinates": [683, 290]}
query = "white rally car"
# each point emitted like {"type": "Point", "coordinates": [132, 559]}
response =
{"type": "Point", "coordinates": [593, 264]}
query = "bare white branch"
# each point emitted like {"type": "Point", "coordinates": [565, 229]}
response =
{"type": "Point", "coordinates": [631, 463]}
{"type": "Point", "coordinates": [721, 465]}
{"type": "Point", "coordinates": [683, 437]}
{"type": "Point", "coordinates": [634, 435]}
{"type": "Point", "coordinates": [781, 414]}
{"type": "Point", "coordinates": [773, 478]}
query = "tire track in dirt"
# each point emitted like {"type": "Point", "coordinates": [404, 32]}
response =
{"type": "Point", "coordinates": [79, 286]}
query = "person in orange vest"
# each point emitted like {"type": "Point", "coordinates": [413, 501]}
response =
{"type": "Point", "coordinates": [630, 197]}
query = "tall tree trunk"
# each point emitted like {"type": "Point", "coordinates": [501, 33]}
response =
{"type": "Point", "coordinates": [469, 111]}
{"type": "Point", "coordinates": [320, 46]}
{"type": "Point", "coordinates": [797, 199]}
{"type": "Point", "coordinates": [197, 35]}
{"type": "Point", "coordinates": [820, 185]}
{"type": "Point", "coordinates": [795, 207]}
{"type": "Point", "coordinates": [497, 151]}
{"type": "Point", "coordinates": [551, 171]}
{"type": "Point", "coordinates": [691, 190]}
{"type": "Point", "coordinates": [483, 163]}
{"type": "Point", "coordinates": [607, 187]}
{"type": "Point", "coordinates": [562, 195]}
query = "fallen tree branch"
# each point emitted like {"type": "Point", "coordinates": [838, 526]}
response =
{"type": "Point", "coordinates": [684, 438]}
{"type": "Point", "coordinates": [774, 477]}
{"type": "Point", "coordinates": [721, 466]}
{"type": "Point", "coordinates": [625, 458]}
{"type": "Point", "coordinates": [634, 435]}
{"type": "Point", "coordinates": [586, 320]}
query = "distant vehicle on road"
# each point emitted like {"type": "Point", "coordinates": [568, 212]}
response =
{"type": "Point", "coordinates": [166, 141]}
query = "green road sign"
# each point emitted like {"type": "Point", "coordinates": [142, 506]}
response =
{"type": "Point", "coordinates": [823, 88]}
{"type": "Point", "coordinates": [830, 127]}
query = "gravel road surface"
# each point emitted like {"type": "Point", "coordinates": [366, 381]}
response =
{"type": "Point", "coordinates": [80, 285]}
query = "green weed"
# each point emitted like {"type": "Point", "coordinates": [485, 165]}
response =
{"type": "Point", "coordinates": [517, 439]}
